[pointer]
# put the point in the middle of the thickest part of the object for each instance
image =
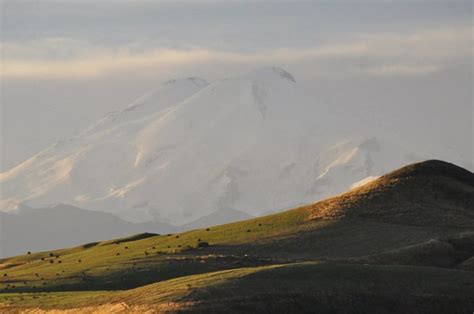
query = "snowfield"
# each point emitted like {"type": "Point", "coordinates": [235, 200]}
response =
{"type": "Point", "coordinates": [189, 148]}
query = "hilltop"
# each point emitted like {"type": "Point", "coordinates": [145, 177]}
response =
{"type": "Point", "coordinates": [431, 193]}
{"type": "Point", "coordinates": [412, 251]}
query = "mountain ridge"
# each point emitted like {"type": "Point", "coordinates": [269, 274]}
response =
{"type": "Point", "coordinates": [190, 148]}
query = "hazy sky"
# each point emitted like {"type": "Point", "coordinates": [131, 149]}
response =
{"type": "Point", "coordinates": [66, 63]}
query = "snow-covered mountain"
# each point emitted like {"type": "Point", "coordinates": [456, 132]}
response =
{"type": "Point", "coordinates": [253, 143]}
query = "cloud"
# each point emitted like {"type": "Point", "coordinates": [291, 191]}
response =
{"type": "Point", "coordinates": [420, 53]}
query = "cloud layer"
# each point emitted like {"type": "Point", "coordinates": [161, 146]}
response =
{"type": "Point", "coordinates": [417, 53]}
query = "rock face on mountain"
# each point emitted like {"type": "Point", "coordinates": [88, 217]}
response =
{"type": "Point", "coordinates": [189, 149]}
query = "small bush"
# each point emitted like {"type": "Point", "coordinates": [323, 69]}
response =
{"type": "Point", "coordinates": [208, 229]}
{"type": "Point", "coordinates": [28, 253]}
{"type": "Point", "coordinates": [248, 230]}
{"type": "Point", "coordinates": [203, 244]}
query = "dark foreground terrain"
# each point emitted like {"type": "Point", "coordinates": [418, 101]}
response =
{"type": "Point", "coordinates": [403, 243]}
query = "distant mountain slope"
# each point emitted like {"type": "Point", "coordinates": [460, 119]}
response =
{"type": "Point", "coordinates": [188, 149]}
{"type": "Point", "coordinates": [217, 218]}
{"type": "Point", "coordinates": [64, 226]}
{"type": "Point", "coordinates": [49, 228]}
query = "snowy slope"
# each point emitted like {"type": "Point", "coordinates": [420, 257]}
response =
{"type": "Point", "coordinates": [253, 143]}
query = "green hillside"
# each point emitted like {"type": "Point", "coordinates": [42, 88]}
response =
{"type": "Point", "coordinates": [373, 236]}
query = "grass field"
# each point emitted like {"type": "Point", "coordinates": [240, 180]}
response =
{"type": "Point", "coordinates": [338, 255]}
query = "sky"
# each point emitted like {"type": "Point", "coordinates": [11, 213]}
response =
{"type": "Point", "coordinates": [67, 63]}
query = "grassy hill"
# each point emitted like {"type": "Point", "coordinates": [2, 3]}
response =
{"type": "Point", "coordinates": [355, 246]}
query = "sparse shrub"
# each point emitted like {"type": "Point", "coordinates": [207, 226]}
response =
{"type": "Point", "coordinates": [59, 262]}
{"type": "Point", "coordinates": [146, 253]}
{"type": "Point", "coordinates": [51, 254]}
{"type": "Point", "coordinates": [177, 237]}
{"type": "Point", "coordinates": [203, 244]}
{"type": "Point", "coordinates": [80, 261]}
{"type": "Point", "coordinates": [5, 275]}
{"type": "Point", "coordinates": [208, 229]}
{"type": "Point", "coordinates": [51, 261]}
{"type": "Point", "coordinates": [169, 246]}
{"type": "Point", "coordinates": [248, 230]}
{"type": "Point", "coordinates": [153, 248]}
{"type": "Point", "coordinates": [117, 254]}
{"type": "Point", "coordinates": [259, 225]}
{"type": "Point", "coordinates": [126, 247]}
{"type": "Point", "coordinates": [179, 245]}
{"type": "Point", "coordinates": [199, 240]}
{"type": "Point", "coordinates": [28, 253]}
{"type": "Point", "coordinates": [42, 258]}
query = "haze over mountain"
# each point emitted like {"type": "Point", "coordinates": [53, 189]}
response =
{"type": "Point", "coordinates": [42, 229]}
{"type": "Point", "coordinates": [191, 148]}
{"type": "Point", "coordinates": [58, 226]}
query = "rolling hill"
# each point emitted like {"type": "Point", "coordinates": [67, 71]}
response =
{"type": "Point", "coordinates": [62, 225]}
{"type": "Point", "coordinates": [402, 243]}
